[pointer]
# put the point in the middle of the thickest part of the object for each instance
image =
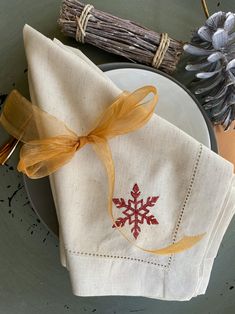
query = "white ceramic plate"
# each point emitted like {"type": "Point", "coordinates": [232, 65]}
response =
{"type": "Point", "coordinates": [175, 104]}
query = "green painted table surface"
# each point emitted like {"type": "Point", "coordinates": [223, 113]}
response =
{"type": "Point", "coordinates": [31, 277]}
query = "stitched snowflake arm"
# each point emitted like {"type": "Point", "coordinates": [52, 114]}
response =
{"type": "Point", "coordinates": [151, 201]}
{"type": "Point", "coordinates": [135, 230]}
{"type": "Point", "coordinates": [120, 222]}
{"type": "Point", "coordinates": [120, 203]}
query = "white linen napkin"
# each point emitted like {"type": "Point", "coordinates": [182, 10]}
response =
{"type": "Point", "coordinates": [195, 188]}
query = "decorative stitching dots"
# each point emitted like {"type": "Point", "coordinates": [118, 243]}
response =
{"type": "Point", "coordinates": [189, 192]}
{"type": "Point", "coordinates": [117, 257]}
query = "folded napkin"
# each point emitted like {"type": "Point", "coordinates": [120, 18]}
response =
{"type": "Point", "coordinates": [167, 186]}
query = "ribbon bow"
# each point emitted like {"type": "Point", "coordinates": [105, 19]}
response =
{"type": "Point", "coordinates": [41, 155]}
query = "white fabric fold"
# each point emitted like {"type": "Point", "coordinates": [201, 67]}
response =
{"type": "Point", "coordinates": [195, 187]}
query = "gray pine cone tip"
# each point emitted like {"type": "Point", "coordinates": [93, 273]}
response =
{"type": "Point", "coordinates": [212, 48]}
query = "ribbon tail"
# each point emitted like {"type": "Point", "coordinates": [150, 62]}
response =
{"type": "Point", "coordinates": [184, 244]}
{"type": "Point", "coordinates": [103, 150]}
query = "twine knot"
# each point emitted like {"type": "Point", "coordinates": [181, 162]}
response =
{"type": "Point", "coordinates": [82, 22]}
{"type": "Point", "coordinates": [161, 51]}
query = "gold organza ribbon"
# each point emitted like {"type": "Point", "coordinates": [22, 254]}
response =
{"type": "Point", "coordinates": [41, 155]}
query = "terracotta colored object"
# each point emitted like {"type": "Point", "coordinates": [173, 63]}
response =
{"type": "Point", "coordinates": [226, 142]}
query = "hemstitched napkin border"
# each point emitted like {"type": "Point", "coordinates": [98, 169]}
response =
{"type": "Point", "coordinates": [180, 218]}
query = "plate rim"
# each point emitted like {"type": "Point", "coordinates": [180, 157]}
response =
{"type": "Point", "coordinates": [122, 65]}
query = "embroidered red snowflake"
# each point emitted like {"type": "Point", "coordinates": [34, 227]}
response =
{"type": "Point", "coordinates": [136, 211]}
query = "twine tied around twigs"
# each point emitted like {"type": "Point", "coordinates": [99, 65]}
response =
{"type": "Point", "coordinates": [161, 51]}
{"type": "Point", "coordinates": [82, 22]}
{"type": "Point", "coordinates": [119, 36]}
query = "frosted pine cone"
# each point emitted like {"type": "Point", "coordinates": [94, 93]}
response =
{"type": "Point", "coordinates": [213, 49]}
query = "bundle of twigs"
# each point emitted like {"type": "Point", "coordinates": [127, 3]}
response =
{"type": "Point", "coordinates": [119, 36]}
